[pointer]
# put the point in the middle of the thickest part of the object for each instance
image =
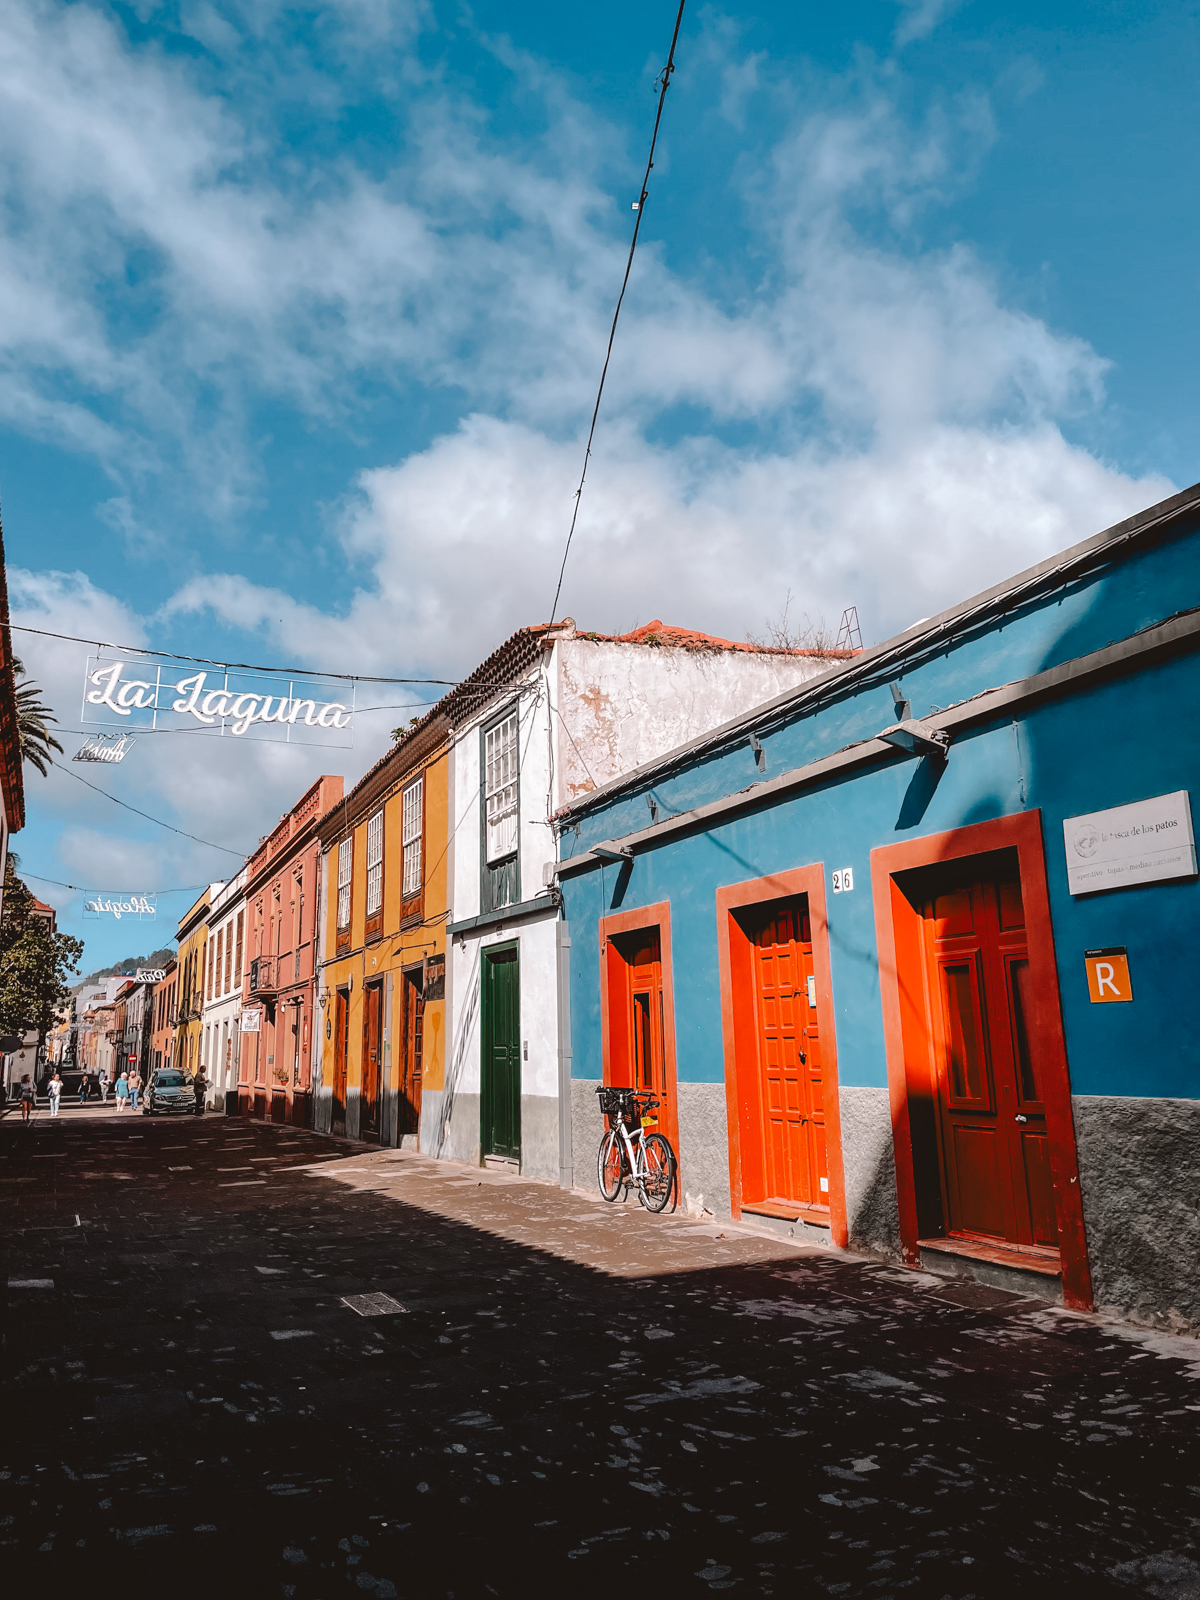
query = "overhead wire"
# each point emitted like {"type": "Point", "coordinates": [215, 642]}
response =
{"type": "Point", "coordinates": [158, 822]}
{"type": "Point", "coordinates": [665, 84]}
{"type": "Point", "coordinates": [183, 888]}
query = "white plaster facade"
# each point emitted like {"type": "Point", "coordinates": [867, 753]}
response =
{"type": "Point", "coordinates": [589, 708]}
{"type": "Point", "coordinates": [221, 1017]}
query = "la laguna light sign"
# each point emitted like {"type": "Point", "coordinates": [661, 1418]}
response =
{"type": "Point", "coordinates": [221, 701]}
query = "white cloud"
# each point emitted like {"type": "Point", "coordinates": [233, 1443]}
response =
{"type": "Point", "coordinates": [872, 421]}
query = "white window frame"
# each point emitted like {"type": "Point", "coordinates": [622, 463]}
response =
{"type": "Point", "coordinates": [375, 864]}
{"type": "Point", "coordinates": [411, 830]}
{"type": "Point", "coordinates": [345, 868]}
{"type": "Point", "coordinates": [501, 778]}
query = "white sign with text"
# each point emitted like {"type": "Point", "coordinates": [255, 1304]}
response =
{"type": "Point", "coordinates": [1149, 841]}
{"type": "Point", "coordinates": [142, 906]}
{"type": "Point", "coordinates": [218, 700]}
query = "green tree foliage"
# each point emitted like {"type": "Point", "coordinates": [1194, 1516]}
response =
{"type": "Point", "coordinates": [33, 720]}
{"type": "Point", "coordinates": [34, 962]}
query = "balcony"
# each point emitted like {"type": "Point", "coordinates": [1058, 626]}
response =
{"type": "Point", "coordinates": [263, 976]}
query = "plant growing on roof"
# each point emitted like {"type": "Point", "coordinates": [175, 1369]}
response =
{"type": "Point", "coordinates": [33, 722]}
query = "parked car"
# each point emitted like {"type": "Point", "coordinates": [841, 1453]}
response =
{"type": "Point", "coordinates": [170, 1090]}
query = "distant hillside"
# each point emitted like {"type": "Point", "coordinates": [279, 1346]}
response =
{"type": "Point", "coordinates": [156, 958]}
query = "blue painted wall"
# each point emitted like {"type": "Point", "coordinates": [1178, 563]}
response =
{"type": "Point", "coordinates": [1128, 740]}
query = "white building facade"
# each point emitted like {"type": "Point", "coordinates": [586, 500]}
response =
{"type": "Point", "coordinates": [557, 714]}
{"type": "Point", "coordinates": [220, 1039]}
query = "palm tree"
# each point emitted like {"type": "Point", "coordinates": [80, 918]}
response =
{"type": "Point", "coordinates": [32, 718]}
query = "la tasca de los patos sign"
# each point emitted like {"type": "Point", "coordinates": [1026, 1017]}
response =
{"type": "Point", "coordinates": [220, 701]}
{"type": "Point", "coordinates": [1149, 841]}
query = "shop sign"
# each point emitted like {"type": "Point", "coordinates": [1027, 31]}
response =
{"type": "Point", "coordinates": [1149, 841]}
{"type": "Point", "coordinates": [1108, 975]}
{"type": "Point", "coordinates": [217, 701]}
{"type": "Point", "coordinates": [250, 1021]}
{"type": "Point", "coordinates": [142, 906]}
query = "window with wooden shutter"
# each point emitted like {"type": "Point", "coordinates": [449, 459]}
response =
{"type": "Point", "coordinates": [345, 868]}
{"type": "Point", "coordinates": [229, 953]}
{"type": "Point", "coordinates": [210, 947]}
{"type": "Point", "coordinates": [375, 864]}
{"type": "Point", "coordinates": [413, 818]}
{"type": "Point", "coordinates": [238, 952]}
{"type": "Point", "coordinates": [218, 966]}
{"type": "Point", "coordinates": [500, 788]}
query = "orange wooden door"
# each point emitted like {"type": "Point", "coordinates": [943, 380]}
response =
{"type": "Point", "coordinates": [791, 1104]}
{"type": "Point", "coordinates": [649, 1056]}
{"type": "Point", "coordinates": [996, 1177]}
{"type": "Point", "coordinates": [372, 1060]}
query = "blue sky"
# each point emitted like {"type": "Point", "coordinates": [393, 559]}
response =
{"type": "Point", "coordinates": [301, 314]}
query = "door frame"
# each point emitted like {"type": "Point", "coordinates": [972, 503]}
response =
{"type": "Point", "coordinates": [901, 966]}
{"type": "Point", "coordinates": [644, 919]}
{"type": "Point", "coordinates": [488, 953]}
{"type": "Point", "coordinates": [739, 1021]}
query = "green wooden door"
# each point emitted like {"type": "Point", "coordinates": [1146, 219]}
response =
{"type": "Point", "coordinates": [500, 1100]}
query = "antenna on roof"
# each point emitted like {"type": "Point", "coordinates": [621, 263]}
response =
{"type": "Point", "coordinates": [849, 634]}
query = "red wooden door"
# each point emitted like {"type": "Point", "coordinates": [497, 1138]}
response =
{"type": "Point", "coordinates": [790, 1100]}
{"type": "Point", "coordinates": [371, 1060]}
{"type": "Point", "coordinates": [341, 1043]}
{"type": "Point", "coordinates": [414, 1045]}
{"type": "Point", "coordinates": [649, 1056]}
{"type": "Point", "coordinates": [996, 1178]}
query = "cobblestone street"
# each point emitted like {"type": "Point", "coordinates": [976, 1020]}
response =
{"type": "Point", "coordinates": [573, 1398]}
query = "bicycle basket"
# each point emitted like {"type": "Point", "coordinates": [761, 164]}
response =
{"type": "Point", "coordinates": [613, 1101]}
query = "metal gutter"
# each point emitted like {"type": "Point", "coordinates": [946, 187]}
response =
{"type": "Point", "coordinates": [926, 638]}
{"type": "Point", "coordinates": [1175, 636]}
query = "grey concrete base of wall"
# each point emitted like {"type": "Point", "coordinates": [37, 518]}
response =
{"type": "Point", "coordinates": [539, 1136]}
{"type": "Point", "coordinates": [323, 1111]}
{"type": "Point", "coordinates": [586, 1127]}
{"type": "Point", "coordinates": [872, 1212]}
{"type": "Point", "coordinates": [450, 1126]}
{"type": "Point", "coordinates": [353, 1110]}
{"type": "Point", "coordinates": [703, 1149]}
{"type": "Point", "coordinates": [1139, 1170]}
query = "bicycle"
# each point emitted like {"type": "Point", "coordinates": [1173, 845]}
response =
{"type": "Point", "coordinates": [641, 1159]}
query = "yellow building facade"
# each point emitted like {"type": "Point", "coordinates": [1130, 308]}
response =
{"type": "Point", "coordinates": [193, 946]}
{"type": "Point", "coordinates": [381, 989]}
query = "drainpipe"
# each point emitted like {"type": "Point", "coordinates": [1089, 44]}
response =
{"type": "Point", "coordinates": [566, 1165]}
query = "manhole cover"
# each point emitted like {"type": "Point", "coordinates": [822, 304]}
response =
{"type": "Point", "coordinates": [372, 1305]}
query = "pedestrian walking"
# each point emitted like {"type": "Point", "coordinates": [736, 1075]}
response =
{"type": "Point", "coordinates": [200, 1085]}
{"type": "Point", "coordinates": [122, 1093]}
{"type": "Point", "coordinates": [27, 1094]}
{"type": "Point", "coordinates": [105, 1086]}
{"type": "Point", "coordinates": [135, 1083]}
{"type": "Point", "coordinates": [83, 1090]}
{"type": "Point", "coordinates": [54, 1089]}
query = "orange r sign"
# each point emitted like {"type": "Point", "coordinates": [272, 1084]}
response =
{"type": "Point", "coordinates": [1108, 975]}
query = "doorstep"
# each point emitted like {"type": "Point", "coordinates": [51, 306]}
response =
{"type": "Point", "coordinates": [1031, 1270]}
{"type": "Point", "coordinates": [503, 1164]}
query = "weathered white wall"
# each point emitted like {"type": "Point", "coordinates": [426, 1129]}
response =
{"type": "Point", "coordinates": [626, 704]}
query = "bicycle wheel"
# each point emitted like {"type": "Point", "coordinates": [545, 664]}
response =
{"type": "Point", "coordinates": [609, 1161]}
{"type": "Point", "coordinates": [657, 1173]}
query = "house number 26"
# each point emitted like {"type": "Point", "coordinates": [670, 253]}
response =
{"type": "Point", "coordinates": [843, 881]}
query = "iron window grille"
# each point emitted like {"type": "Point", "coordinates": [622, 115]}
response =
{"type": "Point", "coordinates": [500, 788]}
{"type": "Point", "coordinates": [410, 839]}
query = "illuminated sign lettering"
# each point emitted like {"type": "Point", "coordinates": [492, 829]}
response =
{"type": "Point", "coordinates": [105, 747]}
{"type": "Point", "coordinates": [142, 906]}
{"type": "Point", "coordinates": [215, 701]}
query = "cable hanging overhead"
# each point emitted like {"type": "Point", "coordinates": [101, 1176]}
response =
{"type": "Point", "coordinates": [639, 206]}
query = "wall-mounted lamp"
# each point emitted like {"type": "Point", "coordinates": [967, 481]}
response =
{"type": "Point", "coordinates": [612, 852]}
{"type": "Point", "coordinates": [916, 739]}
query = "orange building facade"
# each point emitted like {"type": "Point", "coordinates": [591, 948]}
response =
{"type": "Point", "coordinates": [280, 963]}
